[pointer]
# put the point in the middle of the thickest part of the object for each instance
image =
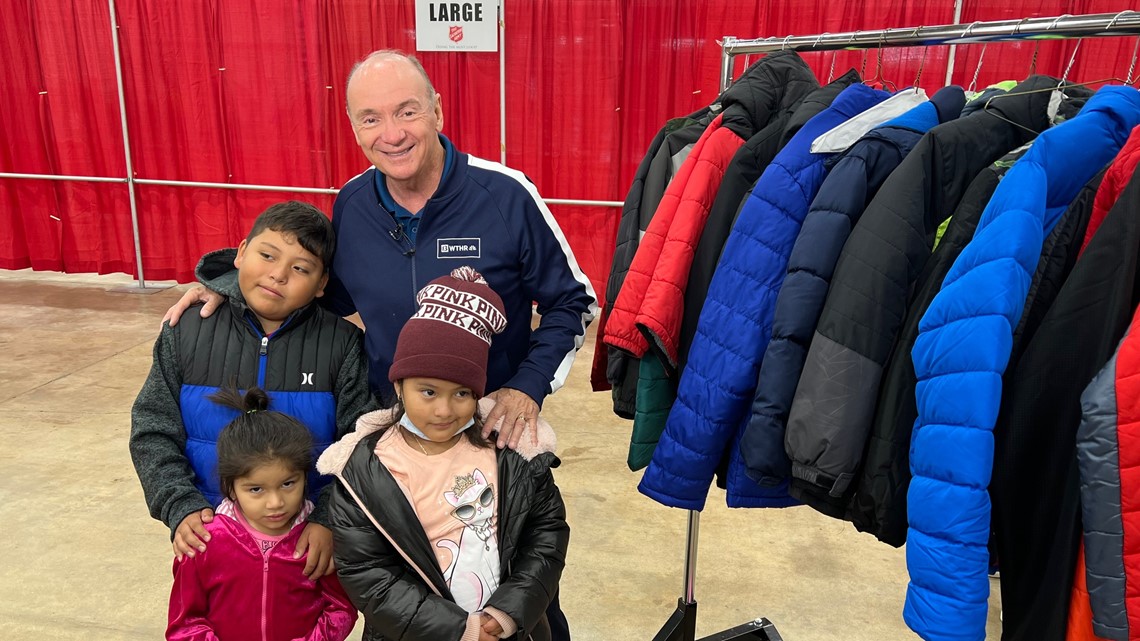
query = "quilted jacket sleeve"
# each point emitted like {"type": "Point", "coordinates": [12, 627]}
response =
{"type": "Point", "coordinates": [660, 313]}
{"type": "Point", "coordinates": [961, 353]}
{"type": "Point", "coordinates": [621, 329]}
{"type": "Point", "coordinates": [731, 334]}
{"type": "Point", "coordinates": [838, 204]}
{"type": "Point", "coordinates": [628, 237]}
{"type": "Point", "coordinates": [395, 602]}
{"type": "Point", "coordinates": [1098, 457]}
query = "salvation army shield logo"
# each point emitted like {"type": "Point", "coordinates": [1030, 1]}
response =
{"type": "Point", "coordinates": [455, 33]}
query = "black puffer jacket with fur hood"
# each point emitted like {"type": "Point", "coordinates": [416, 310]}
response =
{"type": "Point", "coordinates": [386, 564]}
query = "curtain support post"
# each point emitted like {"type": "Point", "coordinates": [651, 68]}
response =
{"type": "Point", "coordinates": [953, 48]}
{"type": "Point", "coordinates": [142, 288]}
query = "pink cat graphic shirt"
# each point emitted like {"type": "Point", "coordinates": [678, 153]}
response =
{"type": "Point", "coordinates": [455, 496]}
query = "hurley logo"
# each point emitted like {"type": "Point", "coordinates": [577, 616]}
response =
{"type": "Point", "coordinates": [307, 378]}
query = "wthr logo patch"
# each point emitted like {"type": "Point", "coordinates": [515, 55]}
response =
{"type": "Point", "coordinates": [458, 248]}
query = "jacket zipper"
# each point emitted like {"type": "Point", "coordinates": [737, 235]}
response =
{"type": "Point", "coordinates": [264, 597]}
{"type": "Point", "coordinates": [261, 361]}
{"type": "Point", "coordinates": [263, 351]}
{"type": "Point", "coordinates": [415, 290]}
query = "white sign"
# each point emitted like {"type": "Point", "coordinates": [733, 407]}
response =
{"type": "Point", "coordinates": [457, 26]}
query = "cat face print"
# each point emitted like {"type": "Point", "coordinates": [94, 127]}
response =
{"type": "Point", "coordinates": [472, 498]}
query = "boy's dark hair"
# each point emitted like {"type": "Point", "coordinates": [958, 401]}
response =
{"type": "Point", "coordinates": [306, 223]}
{"type": "Point", "coordinates": [258, 437]}
{"type": "Point", "coordinates": [474, 433]}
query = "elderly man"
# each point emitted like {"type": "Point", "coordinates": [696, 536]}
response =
{"type": "Point", "coordinates": [425, 208]}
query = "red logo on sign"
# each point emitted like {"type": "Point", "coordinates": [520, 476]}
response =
{"type": "Point", "coordinates": [455, 33]}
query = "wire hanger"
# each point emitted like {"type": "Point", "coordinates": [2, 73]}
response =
{"type": "Point", "coordinates": [879, 67]}
{"type": "Point", "coordinates": [816, 44]}
{"type": "Point", "coordinates": [977, 70]}
{"type": "Point", "coordinates": [1033, 61]}
{"type": "Point", "coordinates": [921, 61]}
{"type": "Point", "coordinates": [1132, 65]}
{"type": "Point", "coordinates": [1114, 79]}
{"type": "Point", "coordinates": [1059, 89]}
{"type": "Point", "coordinates": [981, 57]}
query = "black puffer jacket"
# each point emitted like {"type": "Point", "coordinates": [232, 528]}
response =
{"type": "Point", "coordinates": [387, 566]}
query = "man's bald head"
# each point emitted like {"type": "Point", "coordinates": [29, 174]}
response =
{"type": "Point", "coordinates": [387, 56]}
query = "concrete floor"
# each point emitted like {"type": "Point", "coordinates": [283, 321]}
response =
{"type": "Point", "coordinates": [85, 561]}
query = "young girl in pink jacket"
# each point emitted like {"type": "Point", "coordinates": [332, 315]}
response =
{"type": "Point", "coordinates": [247, 585]}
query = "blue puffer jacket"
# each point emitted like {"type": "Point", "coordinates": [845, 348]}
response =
{"type": "Point", "coordinates": [717, 384]}
{"type": "Point", "coordinates": [851, 184]}
{"type": "Point", "coordinates": [960, 355]}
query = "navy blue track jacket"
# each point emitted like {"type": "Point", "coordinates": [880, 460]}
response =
{"type": "Point", "coordinates": [484, 215]}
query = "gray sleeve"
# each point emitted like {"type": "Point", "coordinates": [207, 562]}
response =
{"type": "Point", "coordinates": [353, 399]}
{"type": "Point", "coordinates": [158, 439]}
{"type": "Point", "coordinates": [1098, 460]}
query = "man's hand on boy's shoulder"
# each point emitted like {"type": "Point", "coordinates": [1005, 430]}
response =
{"type": "Point", "coordinates": [191, 536]}
{"type": "Point", "coordinates": [318, 541]}
{"type": "Point", "coordinates": [196, 294]}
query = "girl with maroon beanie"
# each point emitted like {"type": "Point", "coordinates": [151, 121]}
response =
{"type": "Point", "coordinates": [438, 535]}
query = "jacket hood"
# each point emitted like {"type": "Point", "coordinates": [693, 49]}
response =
{"type": "Point", "coordinates": [815, 102]}
{"type": "Point", "coordinates": [763, 91]}
{"type": "Point", "coordinates": [217, 272]}
{"type": "Point", "coordinates": [945, 105]}
{"type": "Point", "coordinates": [537, 440]}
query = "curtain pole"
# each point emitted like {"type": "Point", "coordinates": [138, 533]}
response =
{"type": "Point", "coordinates": [126, 144]}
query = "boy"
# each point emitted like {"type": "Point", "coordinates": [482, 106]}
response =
{"type": "Point", "coordinates": [269, 334]}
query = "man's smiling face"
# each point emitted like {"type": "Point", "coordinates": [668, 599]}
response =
{"type": "Point", "coordinates": [395, 117]}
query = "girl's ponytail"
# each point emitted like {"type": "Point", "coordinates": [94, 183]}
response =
{"type": "Point", "coordinates": [258, 436]}
{"type": "Point", "coordinates": [254, 400]}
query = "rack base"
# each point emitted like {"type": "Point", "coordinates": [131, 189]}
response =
{"type": "Point", "coordinates": [682, 626]}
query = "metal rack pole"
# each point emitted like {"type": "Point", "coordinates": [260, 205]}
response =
{"type": "Point", "coordinates": [682, 625]}
{"type": "Point", "coordinates": [1097, 25]}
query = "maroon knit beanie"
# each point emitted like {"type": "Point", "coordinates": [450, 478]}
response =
{"type": "Point", "coordinates": [450, 334]}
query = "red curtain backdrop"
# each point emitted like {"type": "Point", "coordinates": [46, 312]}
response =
{"type": "Point", "coordinates": [253, 92]}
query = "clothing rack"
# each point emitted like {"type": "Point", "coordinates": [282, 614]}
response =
{"type": "Point", "coordinates": [1097, 25]}
{"type": "Point", "coordinates": [681, 626]}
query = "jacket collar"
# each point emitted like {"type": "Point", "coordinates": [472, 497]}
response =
{"type": "Point", "coordinates": [537, 440]}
